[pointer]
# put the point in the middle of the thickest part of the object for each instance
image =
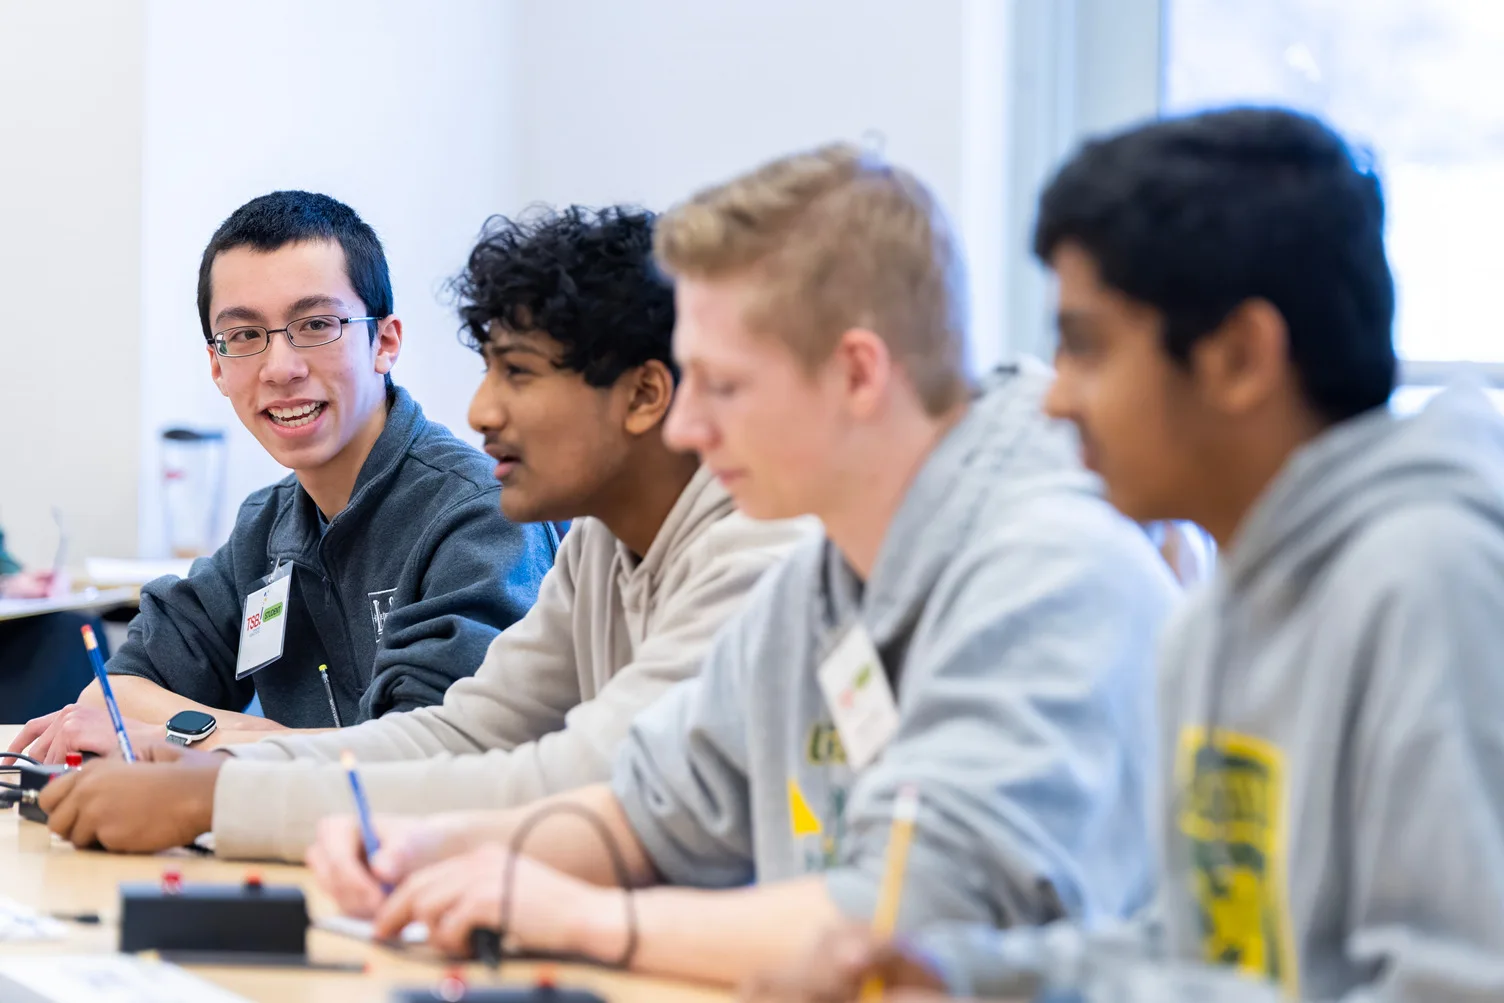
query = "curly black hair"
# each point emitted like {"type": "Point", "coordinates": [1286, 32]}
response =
{"type": "Point", "coordinates": [584, 277]}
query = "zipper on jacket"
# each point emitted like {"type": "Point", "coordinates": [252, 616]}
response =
{"type": "Point", "coordinates": [333, 597]}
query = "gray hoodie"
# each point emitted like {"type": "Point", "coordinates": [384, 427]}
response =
{"type": "Point", "coordinates": [1343, 835]}
{"type": "Point", "coordinates": [1017, 614]}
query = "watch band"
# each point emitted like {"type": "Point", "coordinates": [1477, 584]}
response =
{"type": "Point", "coordinates": [176, 739]}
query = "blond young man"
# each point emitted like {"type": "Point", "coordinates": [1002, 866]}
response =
{"type": "Point", "coordinates": [969, 566]}
{"type": "Point", "coordinates": [1332, 761]}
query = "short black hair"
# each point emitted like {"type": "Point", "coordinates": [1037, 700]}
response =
{"type": "Point", "coordinates": [281, 218]}
{"type": "Point", "coordinates": [1196, 215]}
{"type": "Point", "coordinates": [584, 277]}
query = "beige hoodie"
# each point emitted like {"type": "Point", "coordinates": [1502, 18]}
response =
{"type": "Point", "coordinates": [553, 699]}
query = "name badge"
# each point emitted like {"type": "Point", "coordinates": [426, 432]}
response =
{"type": "Point", "coordinates": [860, 699]}
{"type": "Point", "coordinates": [263, 625]}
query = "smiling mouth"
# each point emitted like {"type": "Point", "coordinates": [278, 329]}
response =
{"type": "Point", "coordinates": [295, 417]}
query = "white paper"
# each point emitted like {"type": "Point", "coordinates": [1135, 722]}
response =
{"type": "Point", "coordinates": [107, 978]}
{"type": "Point", "coordinates": [104, 571]}
{"type": "Point", "coordinates": [263, 625]}
{"type": "Point", "coordinates": [859, 697]}
{"type": "Point", "coordinates": [20, 923]}
{"type": "Point", "coordinates": [12, 609]}
{"type": "Point", "coordinates": [362, 929]}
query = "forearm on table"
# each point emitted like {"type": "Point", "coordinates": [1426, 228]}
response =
{"type": "Point", "coordinates": [566, 841]}
{"type": "Point", "coordinates": [715, 936]}
{"type": "Point", "coordinates": [232, 732]}
{"type": "Point", "coordinates": [143, 700]}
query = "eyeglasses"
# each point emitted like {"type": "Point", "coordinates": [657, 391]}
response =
{"type": "Point", "coordinates": [305, 332]}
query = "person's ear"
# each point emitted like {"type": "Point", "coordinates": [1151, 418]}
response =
{"type": "Point", "coordinates": [1243, 363]}
{"type": "Point", "coordinates": [216, 371]}
{"type": "Point", "coordinates": [865, 368]}
{"type": "Point", "coordinates": [388, 343]}
{"type": "Point", "coordinates": [651, 394]}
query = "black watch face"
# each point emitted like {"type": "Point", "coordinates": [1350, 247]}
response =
{"type": "Point", "coordinates": [191, 722]}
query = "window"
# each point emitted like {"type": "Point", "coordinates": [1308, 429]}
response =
{"type": "Point", "coordinates": [1417, 82]}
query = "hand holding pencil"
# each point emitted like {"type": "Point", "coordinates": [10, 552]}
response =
{"type": "Point", "coordinates": [97, 662]}
{"type": "Point", "coordinates": [890, 895]}
{"type": "Point", "coordinates": [857, 961]}
{"type": "Point", "coordinates": [837, 966]}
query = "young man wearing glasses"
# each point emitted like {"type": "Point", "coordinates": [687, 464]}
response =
{"type": "Point", "coordinates": [573, 321]}
{"type": "Point", "coordinates": [384, 557]}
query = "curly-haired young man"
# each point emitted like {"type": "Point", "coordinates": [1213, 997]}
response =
{"type": "Point", "coordinates": [575, 325]}
{"type": "Point", "coordinates": [975, 625]}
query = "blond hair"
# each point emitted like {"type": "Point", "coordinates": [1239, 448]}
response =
{"type": "Point", "coordinates": [836, 239]}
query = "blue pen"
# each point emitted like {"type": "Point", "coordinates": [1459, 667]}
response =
{"type": "Point", "coordinates": [109, 694]}
{"type": "Point", "coordinates": [362, 811]}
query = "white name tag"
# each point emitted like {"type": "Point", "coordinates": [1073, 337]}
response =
{"type": "Point", "coordinates": [860, 699]}
{"type": "Point", "coordinates": [263, 626]}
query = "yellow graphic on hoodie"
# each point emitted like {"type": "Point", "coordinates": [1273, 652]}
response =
{"type": "Point", "coordinates": [823, 747]}
{"type": "Point", "coordinates": [1231, 813]}
{"type": "Point", "coordinates": [805, 822]}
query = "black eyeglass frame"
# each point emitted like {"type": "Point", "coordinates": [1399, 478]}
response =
{"type": "Point", "coordinates": [339, 332]}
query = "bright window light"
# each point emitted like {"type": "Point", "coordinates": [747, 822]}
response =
{"type": "Point", "coordinates": [1420, 83]}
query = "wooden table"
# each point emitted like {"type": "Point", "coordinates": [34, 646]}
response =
{"type": "Point", "coordinates": [49, 875]}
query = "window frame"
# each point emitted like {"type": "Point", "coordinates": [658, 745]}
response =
{"type": "Point", "coordinates": [1080, 68]}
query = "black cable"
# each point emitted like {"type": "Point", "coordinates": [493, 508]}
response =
{"type": "Point", "coordinates": [17, 755]}
{"type": "Point", "coordinates": [490, 946]}
{"type": "Point", "coordinates": [84, 918]}
{"type": "Point", "coordinates": [14, 794]}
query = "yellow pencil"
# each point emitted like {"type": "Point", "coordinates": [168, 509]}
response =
{"type": "Point", "coordinates": [885, 918]}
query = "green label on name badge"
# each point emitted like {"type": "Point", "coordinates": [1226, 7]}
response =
{"type": "Point", "coordinates": [271, 612]}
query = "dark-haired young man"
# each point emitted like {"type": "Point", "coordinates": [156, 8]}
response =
{"type": "Point", "coordinates": [384, 556]}
{"type": "Point", "coordinates": [575, 325]}
{"type": "Point", "coordinates": [1330, 704]}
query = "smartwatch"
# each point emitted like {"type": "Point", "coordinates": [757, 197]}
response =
{"type": "Point", "coordinates": [189, 726]}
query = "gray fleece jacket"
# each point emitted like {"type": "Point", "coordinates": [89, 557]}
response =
{"type": "Point", "coordinates": [399, 595]}
{"type": "Point", "coordinates": [1331, 713]}
{"type": "Point", "coordinates": [1016, 614]}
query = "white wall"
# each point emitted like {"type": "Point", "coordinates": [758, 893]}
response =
{"type": "Point", "coordinates": [646, 101]}
{"type": "Point", "coordinates": [156, 118]}
{"type": "Point", "coordinates": [70, 143]}
{"type": "Point", "coordinates": [399, 108]}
